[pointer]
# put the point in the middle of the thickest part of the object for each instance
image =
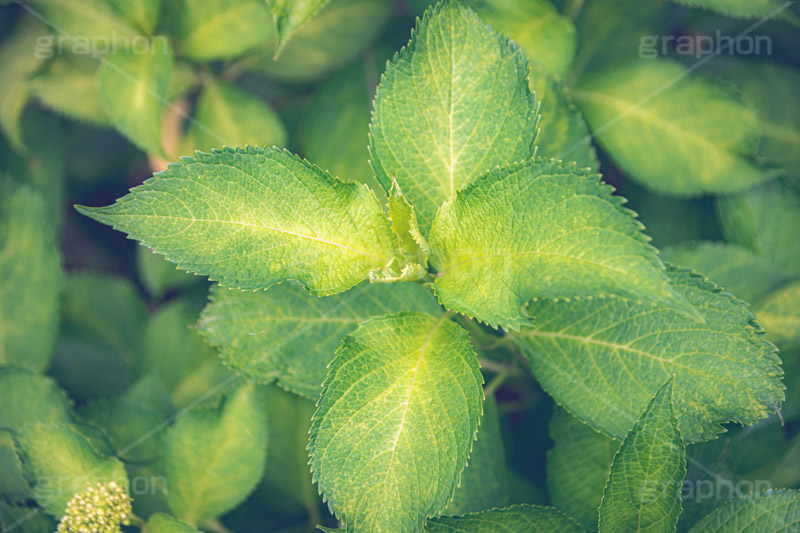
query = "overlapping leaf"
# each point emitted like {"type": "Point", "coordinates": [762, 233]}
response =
{"type": "Point", "coordinates": [396, 421]}
{"type": "Point", "coordinates": [253, 217]}
{"type": "Point", "coordinates": [643, 492]}
{"type": "Point", "coordinates": [289, 16]}
{"type": "Point", "coordinates": [639, 114]}
{"type": "Point", "coordinates": [540, 229]}
{"type": "Point", "coordinates": [603, 359]}
{"type": "Point", "coordinates": [528, 518]}
{"type": "Point", "coordinates": [290, 336]}
{"type": "Point", "coordinates": [454, 103]}
{"type": "Point", "coordinates": [774, 511]}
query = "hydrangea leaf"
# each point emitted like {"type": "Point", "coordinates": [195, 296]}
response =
{"type": "Point", "coordinates": [734, 268]}
{"type": "Point", "coordinates": [62, 461]}
{"type": "Point", "coordinates": [413, 245]}
{"type": "Point", "coordinates": [133, 89]}
{"type": "Point", "coordinates": [396, 421]}
{"type": "Point", "coordinates": [765, 220]}
{"type": "Point", "coordinates": [546, 36]}
{"type": "Point", "coordinates": [289, 16]}
{"type": "Point", "coordinates": [164, 523]}
{"type": "Point", "coordinates": [745, 9]}
{"type": "Point", "coordinates": [452, 104]}
{"type": "Point", "coordinates": [528, 518]}
{"type": "Point", "coordinates": [68, 85]}
{"type": "Point", "coordinates": [643, 492]}
{"type": "Point", "coordinates": [289, 336]}
{"type": "Point", "coordinates": [775, 511]}
{"type": "Point", "coordinates": [577, 467]}
{"type": "Point", "coordinates": [603, 359]}
{"type": "Point", "coordinates": [252, 217]}
{"type": "Point", "coordinates": [143, 14]}
{"type": "Point", "coordinates": [213, 457]}
{"type": "Point", "coordinates": [563, 134]}
{"type": "Point", "coordinates": [779, 313]}
{"type": "Point", "coordinates": [540, 229]}
{"type": "Point", "coordinates": [30, 279]}
{"type": "Point", "coordinates": [771, 87]}
{"type": "Point", "coordinates": [638, 113]}
{"type": "Point", "coordinates": [78, 21]}
{"type": "Point", "coordinates": [220, 29]}
{"type": "Point", "coordinates": [228, 116]}
{"type": "Point", "coordinates": [484, 482]}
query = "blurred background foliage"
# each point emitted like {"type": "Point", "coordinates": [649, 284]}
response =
{"type": "Point", "coordinates": [706, 147]}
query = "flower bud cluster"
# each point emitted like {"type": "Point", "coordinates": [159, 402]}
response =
{"type": "Point", "coordinates": [101, 508]}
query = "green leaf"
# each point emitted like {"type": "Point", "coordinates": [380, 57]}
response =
{"type": "Point", "coordinates": [577, 467]}
{"type": "Point", "coordinates": [289, 336]}
{"type": "Point", "coordinates": [133, 89]}
{"type": "Point", "coordinates": [220, 29]}
{"type": "Point", "coordinates": [228, 116]}
{"type": "Point", "coordinates": [134, 432]}
{"type": "Point", "coordinates": [159, 275]}
{"type": "Point", "coordinates": [287, 461]}
{"type": "Point", "coordinates": [454, 103]}
{"type": "Point", "coordinates": [547, 37]}
{"type": "Point", "coordinates": [771, 87]}
{"type": "Point", "coordinates": [17, 63]}
{"type": "Point", "coordinates": [69, 86]}
{"type": "Point", "coordinates": [540, 229]}
{"type": "Point", "coordinates": [23, 519]}
{"type": "Point", "coordinates": [105, 308]}
{"type": "Point", "coordinates": [213, 458]}
{"type": "Point", "coordinates": [638, 113]}
{"type": "Point", "coordinates": [257, 217]}
{"type": "Point", "coordinates": [143, 14]}
{"type": "Point", "coordinates": [395, 422]}
{"type": "Point", "coordinates": [334, 37]}
{"type": "Point", "coordinates": [773, 511]}
{"type": "Point", "coordinates": [61, 462]}
{"type": "Point", "coordinates": [733, 267]}
{"type": "Point", "coordinates": [289, 16]}
{"type": "Point", "coordinates": [779, 313]}
{"type": "Point", "coordinates": [643, 492]}
{"type": "Point", "coordinates": [163, 523]}
{"type": "Point", "coordinates": [527, 518]}
{"type": "Point", "coordinates": [765, 219]}
{"type": "Point", "coordinates": [78, 22]}
{"type": "Point", "coordinates": [745, 9]}
{"type": "Point", "coordinates": [336, 126]}
{"type": "Point", "coordinates": [30, 279]}
{"type": "Point", "coordinates": [563, 134]}
{"type": "Point", "coordinates": [484, 482]}
{"type": "Point", "coordinates": [413, 245]}
{"type": "Point", "coordinates": [603, 359]}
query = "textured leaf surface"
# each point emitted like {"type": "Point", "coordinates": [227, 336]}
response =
{"type": "Point", "coordinates": [30, 280]}
{"type": "Point", "coordinates": [213, 458]}
{"type": "Point", "coordinates": [563, 134]}
{"type": "Point", "coordinates": [396, 421]}
{"type": "Point", "coordinates": [577, 468]}
{"type": "Point", "coordinates": [540, 229]}
{"type": "Point", "coordinates": [527, 518]}
{"type": "Point", "coordinates": [765, 219]}
{"type": "Point", "coordinates": [773, 511]}
{"type": "Point", "coordinates": [289, 336]}
{"type": "Point", "coordinates": [133, 88]}
{"type": "Point", "coordinates": [216, 29]}
{"type": "Point", "coordinates": [603, 359]}
{"type": "Point", "coordinates": [290, 15]}
{"type": "Point", "coordinates": [638, 113]}
{"type": "Point", "coordinates": [643, 492]}
{"type": "Point", "coordinates": [251, 218]}
{"type": "Point", "coordinates": [484, 482]}
{"type": "Point", "coordinates": [228, 116]}
{"type": "Point", "coordinates": [454, 103]}
{"type": "Point", "coordinates": [62, 461]}
{"type": "Point", "coordinates": [734, 268]}
{"type": "Point", "coordinates": [546, 36]}
{"type": "Point", "coordinates": [771, 87]}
